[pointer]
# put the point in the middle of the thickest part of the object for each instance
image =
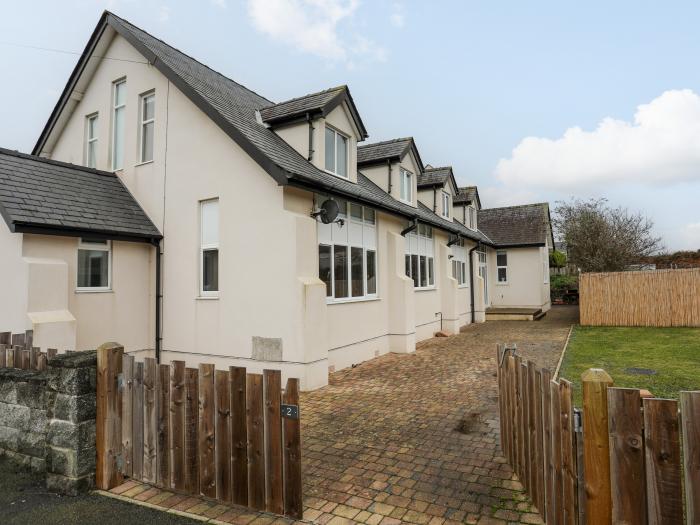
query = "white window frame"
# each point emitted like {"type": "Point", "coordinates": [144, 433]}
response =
{"type": "Point", "coordinates": [99, 247]}
{"type": "Point", "coordinates": [405, 186]}
{"type": "Point", "coordinates": [144, 122]}
{"type": "Point", "coordinates": [471, 217]}
{"type": "Point", "coordinates": [424, 241]}
{"type": "Point", "coordinates": [336, 134]}
{"type": "Point", "coordinates": [445, 204]}
{"type": "Point", "coordinates": [460, 269]}
{"type": "Point", "coordinates": [208, 247]}
{"type": "Point", "coordinates": [115, 107]}
{"type": "Point", "coordinates": [89, 140]}
{"type": "Point", "coordinates": [498, 267]}
{"type": "Point", "coordinates": [331, 235]}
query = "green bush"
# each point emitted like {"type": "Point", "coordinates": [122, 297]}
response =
{"type": "Point", "coordinates": [557, 259]}
{"type": "Point", "coordinates": [563, 282]}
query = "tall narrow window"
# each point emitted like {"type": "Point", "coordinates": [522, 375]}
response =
{"type": "Point", "coordinates": [406, 185]}
{"type": "Point", "coordinates": [91, 141]}
{"type": "Point", "coordinates": [371, 272]}
{"type": "Point", "coordinates": [420, 263]}
{"type": "Point", "coordinates": [472, 218]}
{"type": "Point", "coordinates": [445, 204]}
{"type": "Point", "coordinates": [209, 251]}
{"type": "Point", "coordinates": [336, 153]}
{"type": "Point", "coordinates": [148, 113]}
{"type": "Point", "coordinates": [118, 119]}
{"type": "Point", "coordinates": [357, 271]}
{"type": "Point", "coordinates": [341, 270]}
{"type": "Point", "coordinates": [94, 265]}
{"type": "Point", "coordinates": [324, 267]}
{"type": "Point", "coordinates": [502, 266]}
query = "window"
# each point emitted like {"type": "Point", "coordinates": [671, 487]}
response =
{"type": "Point", "coordinates": [420, 265]}
{"type": "Point", "coordinates": [446, 205]}
{"type": "Point", "coordinates": [459, 263]}
{"type": "Point", "coordinates": [336, 153]}
{"type": "Point", "coordinates": [209, 249]}
{"type": "Point", "coordinates": [118, 118]}
{"type": "Point", "coordinates": [91, 141]}
{"type": "Point", "coordinates": [148, 113]}
{"type": "Point", "coordinates": [347, 255]}
{"type": "Point", "coordinates": [472, 217]}
{"type": "Point", "coordinates": [406, 185]}
{"type": "Point", "coordinates": [502, 266]}
{"type": "Point", "coordinates": [94, 264]}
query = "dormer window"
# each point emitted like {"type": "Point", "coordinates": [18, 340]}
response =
{"type": "Point", "coordinates": [445, 204]}
{"type": "Point", "coordinates": [336, 153]}
{"type": "Point", "coordinates": [471, 218]}
{"type": "Point", "coordinates": [406, 185]}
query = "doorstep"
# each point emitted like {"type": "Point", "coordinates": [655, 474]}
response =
{"type": "Point", "coordinates": [194, 507]}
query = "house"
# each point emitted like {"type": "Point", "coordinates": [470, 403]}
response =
{"type": "Point", "coordinates": [172, 209]}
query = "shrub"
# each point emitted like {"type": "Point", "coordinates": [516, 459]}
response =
{"type": "Point", "coordinates": [557, 259]}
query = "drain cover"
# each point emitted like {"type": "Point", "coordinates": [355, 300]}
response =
{"type": "Point", "coordinates": [641, 371]}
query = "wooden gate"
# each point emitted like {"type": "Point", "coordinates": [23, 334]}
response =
{"type": "Point", "coordinates": [222, 434]}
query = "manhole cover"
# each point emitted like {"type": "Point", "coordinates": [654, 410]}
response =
{"type": "Point", "coordinates": [641, 371]}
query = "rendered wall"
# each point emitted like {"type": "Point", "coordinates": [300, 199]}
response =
{"type": "Point", "coordinates": [525, 286]}
{"type": "Point", "coordinates": [13, 283]}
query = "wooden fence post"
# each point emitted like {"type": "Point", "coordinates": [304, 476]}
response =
{"type": "Point", "coordinates": [239, 435]}
{"type": "Point", "coordinates": [108, 424]}
{"type": "Point", "coordinates": [150, 450]}
{"type": "Point", "coordinates": [127, 416]}
{"type": "Point", "coordinates": [192, 430]}
{"type": "Point", "coordinates": [292, 455]}
{"type": "Point", "coordinates": [690, 416]}
{"type": "Point", "coordinates": [596, 450]}
{"type": "Point", "coordinates": [177, 425]}
{"type": "Point", "coordinates": [568, 457]}
{"type": "Point", "coordinates": [223, 436]}
{"type": "Point", "coordinates": [207, 431]}
{"type": "Point", "coordinates": [256, 443]}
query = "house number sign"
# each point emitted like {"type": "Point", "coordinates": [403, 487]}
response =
{"type": "Point", "coordinates": [290, 411]}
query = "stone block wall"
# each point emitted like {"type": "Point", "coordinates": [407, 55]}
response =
{"type": "Point", "coordinates": [47, 420]}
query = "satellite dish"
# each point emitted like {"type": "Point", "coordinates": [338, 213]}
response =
{"type": "Point", "coordinates": [328, 212]}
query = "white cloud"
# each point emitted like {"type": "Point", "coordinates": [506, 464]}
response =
{"type": "Point", "coordinates": [312, 26]}
{"type": "Point", "coordinates": [661, 146]}
{"type": "Point", "coordinates": [690, 236]}
{"type": "Point", "coordinates": [497, 196]}
{"type": "Point", "coordinates": [397, 18]}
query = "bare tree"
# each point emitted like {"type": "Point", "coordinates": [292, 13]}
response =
{"type": "Point", "coordinates": [600, 238]}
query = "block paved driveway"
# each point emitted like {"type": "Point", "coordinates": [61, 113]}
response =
{"type": "Point", "coordinates": [414, 438]}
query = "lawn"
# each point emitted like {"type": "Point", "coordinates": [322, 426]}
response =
{"type": "Point", "coordinates": [672, 353]}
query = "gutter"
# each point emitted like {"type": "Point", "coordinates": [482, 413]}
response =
{"type": "Point", "coordinates": [471, 277]}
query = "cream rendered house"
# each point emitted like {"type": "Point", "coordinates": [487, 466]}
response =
{"type": "Point", "coordinates": [235, 265]}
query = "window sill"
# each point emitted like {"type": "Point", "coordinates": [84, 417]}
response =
{"type": "Point", "coordinates": [462, 286]}
{"type": "Point", "coordinates": [207, 298]}
{"type": "Point", "coordinates": [502, 283]}
{"type": "Point", "coordinates": [425, 289]}
{"type": "Point", "coordinates": [339, 176]}
{"type": "Point", "coordinates": [143, 163]}
{"type": "Point", "coordinates": [94, 290]}
{"type": "Point", "coordinates": [352, 300]}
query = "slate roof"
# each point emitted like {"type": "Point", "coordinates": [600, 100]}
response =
{"type": "Point", "coordinates": [321, 103]}
{"type": "Point", "coordinates": [45, 196]}
{"type": "Point", "coordinates": [527, 225]}
{"type": "Point", "coordinates": [467, 194]}
{"type": "Point", "coordinates": [233, 108]}
{"type": "Point", "coordinates": [463, 230]}
{"type": "Point", "coordinates": [382, 151]}
{"type": "Point", "coordinates": [434, 176]}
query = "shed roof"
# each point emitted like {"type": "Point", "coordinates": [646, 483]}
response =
{"type": "Point", "coordinates": [526, 225]}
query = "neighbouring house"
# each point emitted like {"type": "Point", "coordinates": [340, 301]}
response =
{"type": "Point", "coordinates": [169, 208]}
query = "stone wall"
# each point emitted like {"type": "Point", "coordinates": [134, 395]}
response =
{"type": "Point", "coordinates": [47, 420]}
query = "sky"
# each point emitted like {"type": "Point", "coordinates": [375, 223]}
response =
{"type": "Point", "coordinates": [531, 101]}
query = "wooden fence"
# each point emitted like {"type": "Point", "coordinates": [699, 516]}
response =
{"type": "Point", "coordinates": [646, 298]}
{"type": "Point", "coordinates": [16, 351]}
{"type": "Point", "coordinates": [225, 435]}
{"type": "Point", "coordinates": [616, 461]}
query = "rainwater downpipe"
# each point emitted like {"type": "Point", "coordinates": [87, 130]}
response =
{"type": "Point", "coordinates": [311, 137]}
{"type": "Point", "coordinates": [159, 299]}
{"type": "Point", "coordinates": [471, 276]}
{"type": "Point", "coordinates": [388, 164]}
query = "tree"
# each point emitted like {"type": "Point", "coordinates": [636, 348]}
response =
{"type": "Point", "coordinates": [600, 238]}
{"type": "Point", "coordinates": [557, 259]}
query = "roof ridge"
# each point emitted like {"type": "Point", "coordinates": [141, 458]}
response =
{"type": "Point", "coordinates": [437, 168]}
{"type": "Point", "coordinates": [188, 56]}
{"type": "Point", "coordinates": [385, 142]}
{"type": "Point", "coordinates": [531, 205]}
{"type": "Point", "coordinates": [336, 88]}
{"type": "Point", "coordinates": [36, 158]}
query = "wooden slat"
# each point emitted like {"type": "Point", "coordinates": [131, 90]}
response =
{"type": "Point", "coordinates": [10, 357]}
{"type": "Point", "coordinates": [663, 461]}
{"type": "Point", "coordinates": [25, 359]}
{"type": "Point", "coordinates": [18, 340]}
{"type": "Point", "coordinates": [548, 466]}
{"type": "Point", "coordinates": [532, 432]}
{"type": "Point", "coordinates": [223, 436]}
{"type": "Point", "coordinates": [500, 349]}
{"type": "Point", "coordinates": [568, 451]}
{"type": "Point", "coordinates": [127, 415]}
{"type": "Point", "coordinates": [207, 436]}
{"type": "Point", "coordinates": [137, 422]}
{"type": "Point", "coordinates": [150, 419]}
{"type": "Point", "coordinates": [17, 356]}
{"type": "Point", "coordinates": [28, 339]}
{"type": "Point", "coordinates": [239, 435]}
{"type": "Point", "coordinates": [108, 424]}
{"type": "Point", "coordinates": [162, 431]}
{"type": "Point", "coordinates": [510, 364]}
{"type": "Point", "coordinates": [518, 423]}
{"type": "Point", "coordinates": [690, 418]}
{"type": "Point", "coordinates": [3, 355]}
{"type": "Point", "coordinates": [272, 382]}
{"type": "Point", "coordinates": [256, 443]}
{"type": "Point", "coordinates": [627, 481]}
{"type": "Point", "coordinates": [527, 465]}
{"type": "Point", "coordinates": [41, 363]}
{"type": "Point", "coordinates": [6, 338]}
{"type": "Point", "coordinates": [539, 443]}
{"type": "Point", "coordinates": [580, 471]}
{"type": "Point", "coordinates": [33, 357]}
{"type": "Point", "coordinates": [191, 431]}
{"type": "Point", "coordinates": [51, 353]}
{"type": "Point", "coordinates": [177, 425]}
{"type": "Point", "coordinates": [557, 497]}
{"type": "Point", "coordinates": [292, 455]}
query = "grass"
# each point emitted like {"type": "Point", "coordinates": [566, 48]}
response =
{"type": "Point", "coordinates": [674, 353]}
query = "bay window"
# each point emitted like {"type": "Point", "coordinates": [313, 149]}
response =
{"type": "Point", "coordinates": [502, 266]}
{"type": "Point", "coordinates": [118, 120]}
{"type": "Point", "coordinates": [419, 258]}
{"type": "Point", "coordinates": [336, 153]}
{"type": "Point", "coordinates": [209, 248]}
{"type": "Point", "coordinates": [94, 265]}
{"type": "Point", "coordinates": [347, 255]}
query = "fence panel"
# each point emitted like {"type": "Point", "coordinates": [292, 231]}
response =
{"type": "Point", "coordinates": [223, 436]}
{"type": "Point", "coordinates": [207, 443]}
{"type": "Point", "coordinates": [690, 417]}
{"type": "Point", "coordinates": [192, 430]}
{"type": "Point", "coordinates": [645, 298]}
{"type": "Point", "coordinates": [177, 425]}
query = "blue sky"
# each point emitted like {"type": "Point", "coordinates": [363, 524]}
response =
{"type": "Point", "coordinates": [530, 100]}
